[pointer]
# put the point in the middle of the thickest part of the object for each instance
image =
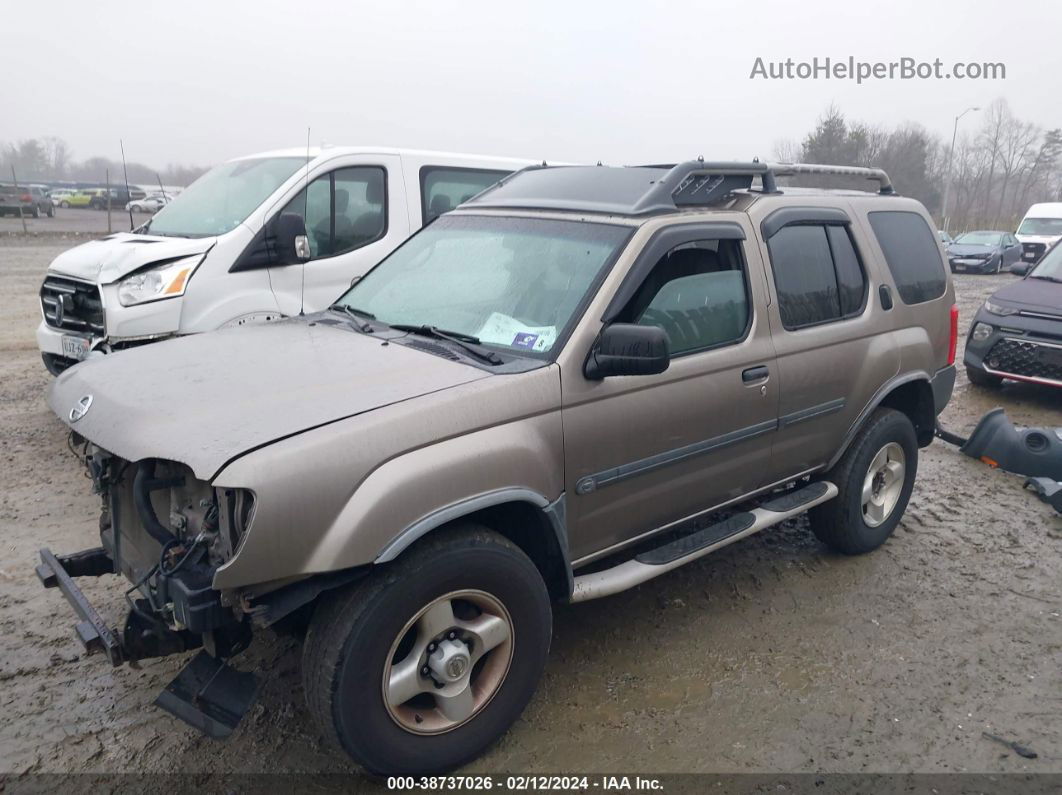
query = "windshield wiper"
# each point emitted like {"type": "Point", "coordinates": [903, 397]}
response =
{"type": "Point", "coordinates": [356, 315]}
{"type": "Point", "coordinates": [463, 341]}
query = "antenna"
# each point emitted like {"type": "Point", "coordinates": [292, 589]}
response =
{"type": "Point", "coordinates": [305, 205]}
{"type": "Point", "coordinates": [125, 174]}
{"type": "Point", "coordinates": [160, 186]}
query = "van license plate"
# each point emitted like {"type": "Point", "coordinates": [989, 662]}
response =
{"type": "Point", "coordinates": [76, 348]}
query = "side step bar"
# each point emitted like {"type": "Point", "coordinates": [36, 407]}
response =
{"type": "Point", "coordinates": [667, 557]}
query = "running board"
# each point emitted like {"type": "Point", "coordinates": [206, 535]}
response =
{"type": "Point", "coordinates": [677, 553]}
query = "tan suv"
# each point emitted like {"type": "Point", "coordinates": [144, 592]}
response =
{"type": "Point", "coordinates": [577, 381]}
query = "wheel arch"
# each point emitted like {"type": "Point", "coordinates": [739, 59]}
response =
{"type": "Point", "coordinates": [536, 525]}
{"type": "Point", "coordinates": [910, 394]}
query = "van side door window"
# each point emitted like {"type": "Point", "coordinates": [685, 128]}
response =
{"type": "Point", "coordinates": [343, 210]}
{"type": "Point", "coordinates": [442, 189]}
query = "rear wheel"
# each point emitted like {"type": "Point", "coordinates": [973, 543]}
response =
{"type": "Point", "coordinates": [64, 204]}
{"type": "Point", "coordinates": [874, 478]}
{"type": "Point", "coordinates": [979, 377]}
{"type": "Point", "coordinates": [36, 213]}
{"type": "Point", "coordinates": [424, 664]}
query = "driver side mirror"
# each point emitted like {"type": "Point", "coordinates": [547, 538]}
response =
{"type": "Point", "coordinates": [292, 244]}
{"type": "Point", "coordinates": [628, 349]}
{"type": "Point", "coordinates": [1021, 268]}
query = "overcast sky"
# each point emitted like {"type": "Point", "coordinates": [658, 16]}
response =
{"type": "Point", "coordinates": [197, 82]}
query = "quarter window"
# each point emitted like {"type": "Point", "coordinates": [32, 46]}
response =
{"type": "Point", "coordinates": [442, 189]}
{"type": "Point", "coordinates": [911, 253]}
{"type": "Point", "coordinates": [697, 293]}
{"type": "Point", "coordinates": [817, 274]}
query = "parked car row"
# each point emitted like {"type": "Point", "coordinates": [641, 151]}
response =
{"type": "Point", "coordinates": [30, 201]}
{"type": "Point", "coordinates": [569, 381]}
{"type": "Point", "coordinates": [96, 198]}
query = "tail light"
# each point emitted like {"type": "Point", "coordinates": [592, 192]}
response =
{"type": "Point", "coordinates": [25, 197]}
{"type": "Point", "coordinates": [953, 342]}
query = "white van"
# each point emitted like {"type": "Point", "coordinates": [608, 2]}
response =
{"type": "Point", "coordinates": [1039, 230]}
{"type": "Point", "coordinates": [217, 254]}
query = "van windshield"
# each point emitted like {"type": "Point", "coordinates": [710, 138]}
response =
{"type": "Point", "coordinates": [1050, 227]}
{"type": "Point", "coordinates": [221, 199]}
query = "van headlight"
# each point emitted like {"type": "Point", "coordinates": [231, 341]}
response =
{"type": "Point", "coordinates": [164, 281]}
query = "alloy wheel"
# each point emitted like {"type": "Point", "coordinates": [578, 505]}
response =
{"type": "Point", "coordinates": [883, 484]}
{"type": "Point", "coordinates": [448, 662]}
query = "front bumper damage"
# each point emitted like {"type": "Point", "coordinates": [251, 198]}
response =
{"type": "Point", "coordinates": [208, 694]}
{"type": "Point", "coordinates": [172, 607]}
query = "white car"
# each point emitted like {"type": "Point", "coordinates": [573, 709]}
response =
{"type": "Point", "coordinates": [1039, 230]}
{"type": "Point", "coordinates": [149, 204]}
{"type": "Point", "coordinates": [225, 252]}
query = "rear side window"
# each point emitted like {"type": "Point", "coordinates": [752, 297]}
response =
{"type": "Point", "coordinates": [911, 253]}
{"type": "Point", "coordinates": [817, 275]}
{"type": "Point", "coordinates": [442, 189]}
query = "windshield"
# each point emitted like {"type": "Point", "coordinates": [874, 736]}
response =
{"type": "Point", "coordinates": [1051, 227]}
{"type": "Point", "coordinates": [1050, 267]}
{"type": "Point", "coordinates": [222, 198]}
{"type": "Point", "coordinates": [978, 239]}
{"type": "Point", "coordinates": [514, 283]}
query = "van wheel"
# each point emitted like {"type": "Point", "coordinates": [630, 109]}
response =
{"type": "Point", "coordinates": [421, 666]}
{"type": "Point", "coordinates": [874, 477]}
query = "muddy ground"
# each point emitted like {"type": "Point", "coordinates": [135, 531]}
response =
{"type": "Point", "coordinates": [772, 655]}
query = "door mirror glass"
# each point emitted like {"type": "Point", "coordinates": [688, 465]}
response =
{"type": "Point", "coordinates": [628, 349]}
{"type": "Point", "coordinates": [1020, 268]}
{"type": "Point", "coordinates": [292, 244]}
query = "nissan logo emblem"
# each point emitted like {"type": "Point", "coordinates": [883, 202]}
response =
{"type": "Point", "coordinates": [80, 408]}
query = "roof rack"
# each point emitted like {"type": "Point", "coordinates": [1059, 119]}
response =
{"type": "Point", "coordinates": [696, 183]}
{"type": "Point", "coordinates": [651, 189]}
{"type": "Point", "coordinates": [875, 174]}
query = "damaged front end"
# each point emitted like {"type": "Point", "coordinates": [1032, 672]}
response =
{"type": "Point", "coordinates": [166, 532]}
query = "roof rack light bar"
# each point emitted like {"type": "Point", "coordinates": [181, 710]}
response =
{"type": "Point", "coordinates": [876, 174]}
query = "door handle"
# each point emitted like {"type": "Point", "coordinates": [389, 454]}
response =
{"type": "Point", "coordinates": [754, 374]}
{"type": "Point", "coordinates": [886, 297]}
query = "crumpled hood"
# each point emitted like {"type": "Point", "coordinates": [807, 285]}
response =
{"type": "Point", "coordinates": [205, 399]}
{"type": "Point", "coordinates": [969, 250]}
{"type": "Point", "coordinates": [110, 258]}
{"type": "Point", "coordinates": [1032, 294]}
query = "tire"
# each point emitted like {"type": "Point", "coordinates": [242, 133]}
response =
{"type": "Point", "coordinates": [36, 211]}
{"type": "Point", "coordinates": [64, 204]}
{"type": "Point", "coordinates": [357, 634]}
{"type": "Point", "coordinates": [979, 377]}
{"type": "Point", "coordinates": [51, 211]}
{"type": "Point", "coordinates": [844, 523]}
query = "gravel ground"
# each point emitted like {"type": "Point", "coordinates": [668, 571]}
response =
{"type": "Point", "coordinates": [773, 655]}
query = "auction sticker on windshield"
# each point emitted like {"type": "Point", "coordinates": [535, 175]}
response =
{"type": "Point", "coordinates": [501, 329]}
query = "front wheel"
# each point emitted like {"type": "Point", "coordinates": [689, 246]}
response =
{"type": "Point", "coordinates": [64, 205]}
{"type": "Point", "coordinates": [874, 479]}
{"type": "Point", "coordinates": [420, 667]}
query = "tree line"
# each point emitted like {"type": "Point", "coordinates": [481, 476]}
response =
{"type": "Point", "coordinates": [998, 168]}
{"type": "Point", "coordinates": [49, 159]}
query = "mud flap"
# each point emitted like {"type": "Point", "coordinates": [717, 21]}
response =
{"type": "Point", "coordinates": [209, 695]}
